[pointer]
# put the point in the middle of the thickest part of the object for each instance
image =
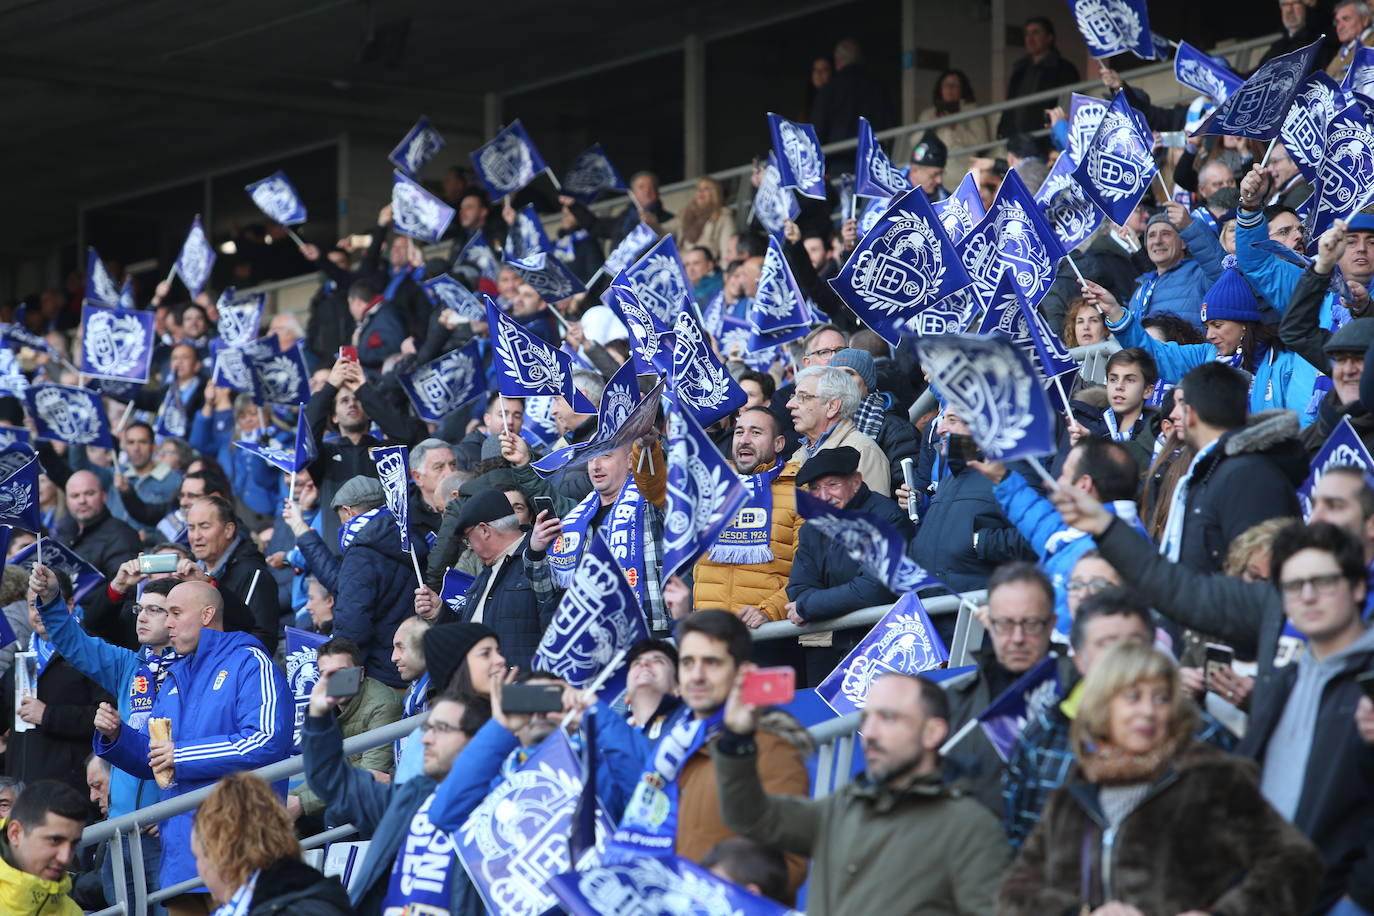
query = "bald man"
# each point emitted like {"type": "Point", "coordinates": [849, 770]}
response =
{"type": "Point", "coordinates": [230, 710]}
{"type": "Point", "coordinates": [103, 541]}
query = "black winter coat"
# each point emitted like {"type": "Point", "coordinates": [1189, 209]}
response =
{"type": "Point", "coordinates": [246, 561]}
{"type": "Point", "coordinates": [964, 504]}
{"type": "Point", "coordinates": [289, 886]}
{"type": "Point", "coordinates": [58, 748]}
{"type": "Point", "coordinates": [376, 591]}
{"type": "Point", "coordinates": [512, 609]}
{"type": "Point", "coordinates": [898, 439]}
{"type": "Point", "coordinates": [105, 543]}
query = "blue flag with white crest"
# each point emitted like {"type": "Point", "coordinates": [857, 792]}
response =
{"type": "Point", "coordinates": [903, 642]}
{"type": "Point", "coordinates": [1257, 109]}
{"type": "Point", "coordinates": [231, 369]}
{"type": "Point", "coordinates": [1318, 102]}
{"type": "Point", "coordinates": [801, 164]}
{"type": "Point", "coordinates": [951, 315]}
{"type": "Point", "coordinates": [19, 471]}
{"type": "Point", "coordinates": [417, 147]}
{"type": "Point", "coordinates": [874, 173]}
{"type": "Point", "coordinates": [622, 417]}
{"type": "Point", "coordinates": [76, 416]}
{"type": "Point", "coordinates": [1013, 235]}
{"type": "Point", "coordinates": [869, 541]}
{"type": "Point", "coordinates": [1359, 76]}
{"type": "Point", "coordinates": [774, 203]}
{"type": "Point", "coordinates": [171, 421]}
{"type": "Point", "coordinates": [196, 259]}
{"type": "Point", "coordinates": [393, 470]}
{"type": "Point", "coordinates": [9, 435]}
{"type": "Point", "coordinates": [591, 174]}
{"type": "Point", "coordinates": [548, 275]}
{"type": "Point", "coordinates": [239, 319]}
{"type": "Point", "coordinates": [302, 671]}
{"type": "Point", "coordinates": [1072, 215]}
{"type": "Point", "coordinates": [699, 381]}
{"type": "Point", "coordinates": [598, 616]}
{"type": "Point", "coordinates": [116, 343]}
{"type": "Point", "coordinates": [636, 241]}
{"type": "Point", "coordinates": [454, 591]}
{"type": "Point", "coordinates": [1033, 693]}
{"type": "Point", "coordinates": [1204, 73]}
{"type": "Point", "coordinates": [901, 266]}
{"type": "Point", "coordinates": [478, 252]}
{"type": "Point", "coordinates": [1343, 448]}
{"type": "Point", "coordinates": [654, 885]}
{"type": "Point", "coordinates": [276, 197]}
{"type": "Point", "coordinates": [704, 493]}
{"type": "Point", "coordinates": [58, 556]}
{"type": "Point", "coordinates": [994, 389]}
{"type": "Point", "coordinates": [527, 366]}
{"type": "Point", "coordinates": [1116, 167]}
{"type": "Point", "coordinates": [651, 341]}
{"type": "Point", "coordinates": [1112, 27]}
{"type": "Point", "coordinates": [13, 382]}
{"type": "Point", "coordinates": [126, 293]}
{"type": "Point", "coordinates": [1345, 178]}
{"type": "Point", "coordinates": [779, 312]}
{"type": "Point", "coordinates": [416, 212]}
{"type": "Point", "coordinates": [660, 281]}
{"type": "Point", "coordinates": [443, 385]}
{"type": "Point", "coordinates": [526, 235]}
{"type": "Point", "coordinates": [962, 210]}
{"type": "Point", "coordinates": [1008, 313]}
{"type": "Point", "coordinates": [1085, 114]}
{"type": "Point", "coordinates": [517, 839]}
{"type": "Point", "coordinates": [278, 376]}
{"type": "Point", "coordinates": [100, 288]}
{"type": "Point", "coordinates": [508, 161]}
{"type": "Point", "coordinates": [449, 292]}
{"type": "Point", "coordinates": [302, 454]}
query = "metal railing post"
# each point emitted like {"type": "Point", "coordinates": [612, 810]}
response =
{"type": "Point", "coordinates": [117, 867]}
{"type": "Point", "coordinates": [139, 870]}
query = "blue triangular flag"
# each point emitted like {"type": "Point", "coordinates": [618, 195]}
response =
{"type": "Point", "coordinates": [1008, 313]}
{"type": "Point", "coordinates": [700, 383]}
{"type": "Point", "coordinates": [591, 174]}
{"type": "Point", "coordinates": [508, 161]}
{"type": "Point", "coordinates": [1111, 27]}
{"type": "Point", "coordinates": [704, 493]}
{"type": "Point", "coordinates": [660, 281]}
{"type": "Point", "coordinates": [443, 385]}
{"type": "Point", "coordinates": [196, 259]}
{"type": "Point", "coordinates": [526, 366]}
{"type": "Point", "coordinates": [276, 197]}
{"type": "Point", "coordinates": [1033, 693]}
{"type": "Point", "coordinates": [416, 148]}
{"type": "Point", "coordinates": [1257, 109]}
{"type": "Point", "coordinates": [962, 210]}
{"type": "Point", "coordinates": [1116, 167]}
{"type": "Point", "coordinates": [454, 591]}
{"type": "Point", "coordinates": [874, 173]}
{"type": "Point", "coordinates": [1204, 73]}
{"type": "Point", "coordinates": [801, 164]}
{"type": "Point", "coordinates": [302, 454]}
{"type": "Point", "coordinates": [905, 641]}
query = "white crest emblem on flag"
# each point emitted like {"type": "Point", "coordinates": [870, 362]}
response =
{"type": "Point", "coordinates": [172, 417]}
{"type": "Point", "coordinates": [413, 210]}
{"type": "Point", "coordinates": [997, 402]}
{"type": "Point", "coordinates": [1110, 23]}
{"type": "Point", "coordinates": [233, 368]}
{"type": "Point", "coordinates": [956, 218]}
{"type": "Point", "coordinates": [770, 203]}
{"type": "Point", "coordinates": [904, 266]}
{"type": "Point", "coordinates": [104, 286]}
{"type": "Point", "coordinates": [280, 379]}
{"type": "Point", "coordinates": [1113, 159]}
{"type": "Point", "coordinates": [74, 420]}
{"type": "Point", "coordinates": [641, 325]}
{"type": "Point", "coordinates": [424, 144]}
{"type": "Point", "coordinates": [697, 381]}
{"type": "Point", "coordinates": [705, 488]}
{"type": "Point", "coordinates": [773, 295]}
{"type": "Point", "coordinates": [1194, 74]}
{"type": "Point", "coordinates": [275, 197]}
{"type": "Point", "coordinates": [588, 174]}
{"type": "Point", "coordinates": [659, 286]}
{"type": "Point", "coordinates": [533, 367]}
{"type": "Point", "coordinates": [1260, 100]}
{"type": "Point", "coordinates": [194, 263]}
{"type": "Point", "coordinates": [1022, 250]}
{"type": "Point", "coordinates": [863, 542]}
{"type": "Point", "coordinates": [506, 162]}
{"type": "Point", "coordinates": [552, 284]}
{"type": "Point", "coordinates": [948, 316]}
{"type": "Point", "coordinates": [883, 172]}
{"type": "Point", "coordinates": [114, 344]}
{"type": "Point", "coordinates": [617, 406]}
{"type": "Point", "coordinates": [15, 497]}
{"type": "Point", "coordinates": [1066, 206]}
{"type": "Point", "coordinates": [654, 888]}
{"type": "Point", "coordinates": [800, 153]}
{"type": "Point", "coordinates": [1304, 128]}
{"type": "Point", "coordinates": [439, 383]}
{"type": "Point", "coordinates": [391, 470]}
{"type": "Point", "coordinates": [1087, 118]}
{"type": "Point", "coordinates": [905, 646]}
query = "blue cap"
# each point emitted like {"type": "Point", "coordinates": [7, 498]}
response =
{"type": "Point", "coordinates": [1230, 299]}
{"type": "Point", "coordinates": [1360, 222]}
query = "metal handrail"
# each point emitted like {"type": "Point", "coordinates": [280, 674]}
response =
{"type": "Point", "coordinates": [866, 617]}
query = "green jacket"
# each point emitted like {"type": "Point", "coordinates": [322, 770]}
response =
{"type": "Point", "coordinates": [374, 706]}
{"type": "Point", "coordinates": [928, 848]}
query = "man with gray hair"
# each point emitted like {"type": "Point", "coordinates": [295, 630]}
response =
{"type": "Point", "coordinates": [431, 460]}
{"type": "Point", "coordinates": [1353, 30]}
{"type": "Point", "coordinates": [822, 410]}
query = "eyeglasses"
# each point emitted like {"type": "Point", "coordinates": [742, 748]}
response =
{"type": "Point", "coordinates": [442, 728]}
{"type": "Point", "coordinates": [826, 351]}
{"type": "Point", "coordinates": [1034, 626]}
{"type": "Point", "coordinates": [1322, 585]}
{"type": "Point", "coordinates": [803, 398]}
{"type": "Point", "coordinates": [150, 608]}
{"type": "Point", "coordinates": [1094, 584]}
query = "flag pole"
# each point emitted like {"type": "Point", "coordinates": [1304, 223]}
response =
{"type": "Point", "coordinates": [171, 274]}
{"type": "Point", "coordinates": [415, 561]}
{"type": "Point", "coordinates": [556, 186]}
{"type": "Point", "coordinates": [1076, 272]}
{"type": "Point", "coordinates": [505, 424]}
{"type": "Point", "coordinates": [1270, 149]}
{"type": "Point", "coordinates": [1044, 474]}
{"type": "Point", "coordinates": [300, 243]}
{"type": "Point", "coordinates": [1160, 175]}
{"type": "Point", "coordinates": [128, 409]}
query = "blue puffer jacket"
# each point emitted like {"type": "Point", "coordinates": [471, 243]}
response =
{"type": "Point", "coordinates": [255, 482]}
{"type": "Point", "coordinates": [1274, 278]}
{"type": "Point", "coordinates": [230, 709]}
{"type": "Point", "coordinates": [113, 669]}
{"type": "Point", "coordinates": [375, 592]}
{"type": "Point", "coordinates": [1282, 379]}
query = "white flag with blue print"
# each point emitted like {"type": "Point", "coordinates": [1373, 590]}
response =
{"type": "Point", "coordinates": [591, 174]}
{"type": "Point", "coordinates": [443, 385]}
{"type": "Point", "coordinates": [116, 343]}
{"type": "Point", "coordinates": [393, 470]}
{"type": "Point", "coordinates": [196, 259]}
{"type": "Point", "coordinates": [416, 212]}
{"type": "Point", "coordinates": [276, 197]}
{"type": "Point", "coordinates": [417, 147]}
{"type": "Point", "coordinates": [239, 318]}
{"type": "Point", "coordinates": [450, 292]}
{"type": "Point", "coordinates": [801, 164]}
{"type": "Point", "coordinates": [508, 161]}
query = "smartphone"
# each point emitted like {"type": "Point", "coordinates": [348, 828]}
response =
{"type": "Point", "coordinates": [158, 562]}
{"type": "Point", "coordinates": [348, 353]}
{"type": "Point", "coordinates": [544, 504]}
{"type": "Point", "coordinates": [769, 686]}
{"type": "Point", "coordinates": [528, 698]}
{"type": "Point", "coordinates": [909, 476]}
{"type": "Point", "coordinates": [1366, 681]}
{"type": "Point", "coordinates": [1173, 139]}
{"type": "Point", "coordinates": [1217, 658]}
{"type": "Point", "coordinates": [346, 682]}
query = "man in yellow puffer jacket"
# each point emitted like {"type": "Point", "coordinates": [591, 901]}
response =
{"type": "Point", "coordinates": [37, 843]}
{"type": "Point", "coordinates": [745, 571]}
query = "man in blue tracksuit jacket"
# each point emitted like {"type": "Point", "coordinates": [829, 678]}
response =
{"type": "Point", "coordinates": [131, 677]}
{"type": "Point", "coordinates": [230, 710]}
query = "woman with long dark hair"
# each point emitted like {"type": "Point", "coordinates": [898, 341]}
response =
{"type": "Point", "coordinates": [951, 94]}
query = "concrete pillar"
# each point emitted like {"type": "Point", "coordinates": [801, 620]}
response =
{"type": "Point", "coordinates": [693, 106]}
{"type": "Point", "coordinates": [998, 50]}
{"type": "Point", "coordinates": [910, 104]}
{"type": "Point", "coordinates": [491, 115]}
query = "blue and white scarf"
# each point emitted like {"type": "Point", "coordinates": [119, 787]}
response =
{"type": "Point", "coordinates": [349, 529]}
{"type": "Point", "coordinates": [415, 697]}
{"type": "Point", "coordinates": [623, 530]}
{"type": "Point", "coordinates": [649, 826]}
{"type": "Point", "coordinates": [1117, 434]}
{"type": "Point", "coordinates": [241, 902]}
{"type": "Point", "coordinates": [746, 540]}
{"type": "Point", "coordinates": [144, 687]}
{"type": "Point", "coordinates": [1172, 540]}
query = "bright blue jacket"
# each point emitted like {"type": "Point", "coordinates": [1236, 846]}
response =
{"type": "Point", "coordinates": [237, 715]}
{"type": "Point", "coordinates": [1273, 277]}
{"type": "Point", "coordinates": [1058, 545]}
{"type": "Point", "coordinates": [254, 481]}
{"type": "Point", "coordinates": [1282, 379]}
{"type": "Point", "coordinates": [112, 668]}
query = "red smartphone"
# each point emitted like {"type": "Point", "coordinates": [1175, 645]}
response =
{"type": "Point", "coordinates": [349, 353]}
{"type": "Point", "coordinates": [769, 686]}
